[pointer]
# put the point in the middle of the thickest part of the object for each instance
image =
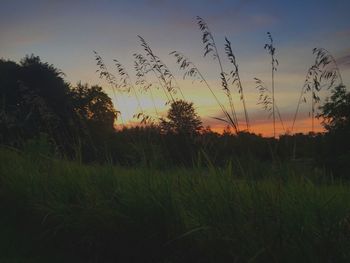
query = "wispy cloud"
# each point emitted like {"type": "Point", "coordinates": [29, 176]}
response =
{"type": "Point", "coordinates": [344, 61]}
{"type": "Point", "coordinates": [343, 33]}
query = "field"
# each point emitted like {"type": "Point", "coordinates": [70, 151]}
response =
{"type": "Point", "coordinates": [161, 131]}
{"type": "Point", "coordinates": [64, 211]}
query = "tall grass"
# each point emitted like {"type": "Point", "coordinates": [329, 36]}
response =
{"type": "Point", "coordinates": [266, 101]}
{"type": "Point", "coordinates": [274, 63]}
{"type": "Point", "coordinates": [147, 67]}
{"type": "Point", "coordinates": [127, 83]}
{"type": "Point", "coordinates": [191, 70]}
{"type": "Point", "coordinates": [145, 86]}
{"type": "Point", "coordinates": [323, 74]}
{"type": "Point", "coordinates": [104, 73]}
{"type": "Point", "coordinates": [143, 64]}
{"type": "Point", "coordinates": [211, 48]}
{"type": "Point", "coordinates": [61, 211]}
{"type": "Point", "coordinates": [162, 71]}
{"type": "Point", "coordinates": [236, 79]}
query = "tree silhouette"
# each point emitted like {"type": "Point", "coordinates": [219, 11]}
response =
{"type": "Point", "coordinates": [181, 119]}
{"type": "Point", "coordinates": [94, 106]}
{"type": "Point", "coordinates": [335, 113]}
{"type": "Point", "coordinates": [336, 110]}
{"type": "Point", "coordinates": [34, 100]}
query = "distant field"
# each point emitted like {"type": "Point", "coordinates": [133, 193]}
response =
{"type": "Point", "coordinates": [60, 211]}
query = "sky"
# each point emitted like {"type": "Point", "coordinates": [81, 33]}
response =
{"type": "Point", "coordinates": [65, 33]}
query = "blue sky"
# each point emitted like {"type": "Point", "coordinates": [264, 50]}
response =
{"type": "Point", "coordinates": [65, 32]}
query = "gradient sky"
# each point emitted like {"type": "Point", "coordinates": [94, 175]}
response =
{"type": "Point", "coordinates": [65, 32]}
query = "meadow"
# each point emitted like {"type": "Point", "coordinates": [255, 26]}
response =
{"type": "Point", "coordinates": [59, 210]}
{"type": "Point", "coordinates": [76, 187]}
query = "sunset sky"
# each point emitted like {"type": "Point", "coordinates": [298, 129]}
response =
{"type": "Point", "coordinates": [65, 33]}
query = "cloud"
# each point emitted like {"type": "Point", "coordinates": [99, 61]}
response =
{"type": "Point", "coordinates": [344, 61]}
{"type": "Point", "coordinates": [223, 17]}
{"type": "Point", "coordinates": [156, 2]}
{"type": "Point", "coordinates": [343, 33]}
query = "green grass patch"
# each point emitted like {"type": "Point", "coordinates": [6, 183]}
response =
{"type": "Point", "coordinates": [60, 211]}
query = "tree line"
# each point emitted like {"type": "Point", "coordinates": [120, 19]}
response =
{"type": "Point", "coordinates": [77, 122]}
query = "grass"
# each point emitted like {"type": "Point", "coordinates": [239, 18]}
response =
{"type": "Point", "coordinates": [55, 211]}
{"type": "Point", "coordinates": [324, 73]}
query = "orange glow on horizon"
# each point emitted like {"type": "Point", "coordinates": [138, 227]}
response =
{"type": "Point", "coordinates": [263, 128]}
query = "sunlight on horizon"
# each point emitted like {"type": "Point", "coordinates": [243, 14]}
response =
{"type": "Point", "coordinates": [207, 109]}
{"type": "Point", "coordinates": [112, 28]}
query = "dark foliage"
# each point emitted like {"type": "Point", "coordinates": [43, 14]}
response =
{"type": "Point", "coordinates": [36, 100]}
{"type": "Point", "coordinates": [39, 110]}
{"type": "Point", "coordinates": [336, 110]}
{"type": "Point", "coordinates": [94, 106]}
{"type": "Point", "coordinates": [335, 113]}
{"type": "Point", "coordinates": [181, 119]}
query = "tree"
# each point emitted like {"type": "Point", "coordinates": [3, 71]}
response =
{"type": "Point", "coordinates": [34, 99]}
{"type": "Point", "coordinates": [336, 110]}
{"type": "Point", "coordinates": [336, 119]}
{"type": "Point", "coordinates": [94, 106]}
{"type": "Point", "coordinates": [181, 119]}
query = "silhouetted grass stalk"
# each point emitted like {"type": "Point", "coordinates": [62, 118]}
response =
{"type": "Point", "coordinates": [149, 68]}
{"type": "Point", "coordinates": [210, 47]}
{"type": "Point", "coordinates": [274, 63]}
{"type": "Point", "coordinates": [142, 81]}
{"type": "Point", "coordinates": [191, 70]}
{"type": "Point", "coordinates": [104, 73]}
{"type": "Point", "coordinates": [128, 84]}
{"type": "Point", "coordinates": [314, 77]}
{"type": "Point", "coordinates": [236, 78]}
{"type": "Point", "coordinates": [163, 71]}
{"type": "Point", "coordinates": [266, 101]}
